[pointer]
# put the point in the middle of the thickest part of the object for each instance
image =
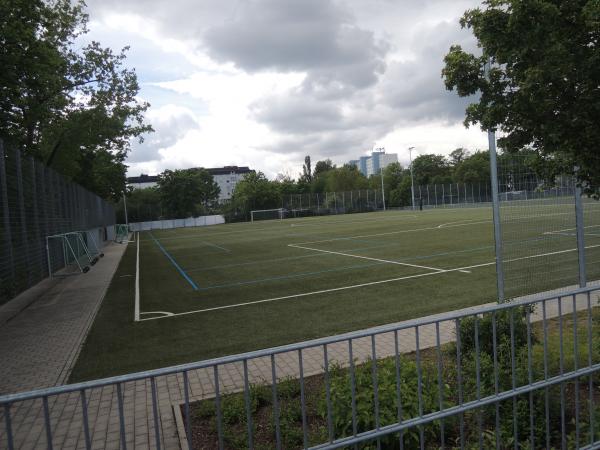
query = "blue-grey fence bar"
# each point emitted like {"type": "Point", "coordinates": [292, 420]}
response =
{"type": "Point", "coordinates": [35, 202]}
{"type": "Point", "coordinates": [548, 392]}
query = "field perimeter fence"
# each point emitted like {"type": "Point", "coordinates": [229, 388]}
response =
{"type": "Point", "coordinates": [550, 231]}
{"type": "Point", "coordinates": [520, 375]}
{"type": "Point", "coordinates": [35, 202]}
{"type": "Point", "coordinates": [325, 203]}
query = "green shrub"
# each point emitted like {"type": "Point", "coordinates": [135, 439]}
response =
{"type": "Point", "coordinates": [388, 407]}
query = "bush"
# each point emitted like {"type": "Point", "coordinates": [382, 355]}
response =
{"type": "Point", "coordinates": [388, 406]}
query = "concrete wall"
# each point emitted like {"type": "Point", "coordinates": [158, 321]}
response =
{"type": "Point", "coordinates": [202, 221]}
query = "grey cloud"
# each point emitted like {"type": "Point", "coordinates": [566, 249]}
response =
{"type": "Point", "coordinates": [299, 35]}
{"type": "Point", "coordinates": [168, 130]}
{"type": "Point", "coordinates": [415, 88]}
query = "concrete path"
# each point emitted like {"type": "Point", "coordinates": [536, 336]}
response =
{"type": "Point", "coordinates": [42, 330]}
{"type": "Point", "coordinates": [39, 345]}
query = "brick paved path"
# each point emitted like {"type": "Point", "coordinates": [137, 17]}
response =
{"type": "Point", "coordinates": [22, 335]}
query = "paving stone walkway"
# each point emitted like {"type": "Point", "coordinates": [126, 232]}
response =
{"type": "Point", "coordinates": [38, 347]}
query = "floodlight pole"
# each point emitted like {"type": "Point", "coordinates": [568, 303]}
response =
{"type": "Point", "coordinates": [125, 206]}
{"type": "Point", "coordinates": [382, 188]}
{"type": "Point", "coordinates": [412, 180]}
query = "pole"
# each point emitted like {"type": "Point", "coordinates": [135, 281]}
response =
{"type": "Point", "coordinates": [125, 207]}
{"type": "Point", "coordinates": [382, 188]}
{"type": "Point", "coordinates": [496, 207]}
{"type": "Point", "coordinates": [580, 234]}
{"type": "Point", "coordinates": [412, 180]}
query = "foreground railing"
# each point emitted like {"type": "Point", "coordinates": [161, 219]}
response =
{"type": "Point", "coordinates": [519, 375]}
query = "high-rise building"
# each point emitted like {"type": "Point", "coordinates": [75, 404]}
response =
{"type": "Point", "coordinates": [369, 165]}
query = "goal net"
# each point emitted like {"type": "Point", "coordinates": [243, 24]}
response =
{"type": "Point", "coordinates": [67, 254]}
{"type": "Point", "coordinates": [267, 214]}
{"type": "Point", "coordinates": [121, 233]}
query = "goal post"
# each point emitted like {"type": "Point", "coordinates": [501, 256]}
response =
{"type": "Point", "coordinates": [66, 255]}
{"type": "Point", "coordinates": [267, 214]}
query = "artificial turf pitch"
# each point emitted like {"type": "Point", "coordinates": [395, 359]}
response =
{"type": "Point", "coordinates": [214, 291]}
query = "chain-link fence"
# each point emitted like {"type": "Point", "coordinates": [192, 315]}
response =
{"type": "Point", "coordinates": [541, 250]}
{"type": "Point", "coordinates": [36, 202]}
{"type": "Point", "coordinates": [310, 204]}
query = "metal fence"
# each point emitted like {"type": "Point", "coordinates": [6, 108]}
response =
{"type": "Point", "coordinates": [518, 375]}
{"type": "Point", "coordinates": [325, 203]}
{"type": "Point", "coordinates": [548, 231]}
{"type": "Point", "coordinates": [36, 202]}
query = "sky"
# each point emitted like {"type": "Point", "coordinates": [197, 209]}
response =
{"type": "Point", "coordinates": [263, 83]}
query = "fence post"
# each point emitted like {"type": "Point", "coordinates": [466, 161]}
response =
{"type": "Point", "coordinates": [435, 194]}
{"type": "Point", "coordinates": [6, 215]}
{"type": "Point", "coordinates": [580, 235]}
{"type": "Point", "coordinates": [36, 219]}
{"type": "Point", "coordinates": [21, 200]}
{"type": "Point", "coordinates": [428, 202]}
{"type": "Point", "coordinates": [496, 210]}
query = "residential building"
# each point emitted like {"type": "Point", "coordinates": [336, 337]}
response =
{"type": "Point", "coordinates": [143, 181]}
{"type": "Point", "coordinates": [225, 177]}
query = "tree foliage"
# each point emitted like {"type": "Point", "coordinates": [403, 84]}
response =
{"type": "Point", "coordinates": [71, 106]}
{"type": "Point", "coordinates": [542, 91]}
{"type": "Point", "coordinates": [187, 193]}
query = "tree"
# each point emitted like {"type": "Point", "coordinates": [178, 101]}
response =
{"type": "Point", "coordinates": [307, 170]}
{"type": "Point", "coordinates": [188, 192]}
{"type": "Point", "coordinates": [431, 169]}
{"type": "Point", "coordinates": [542, 91]}
{"type": "Point", "coordinates": [458, 156]}
{"type": "Point", "coordinates": [142, 205]}
{"type": "Point", "coordinates": [255, 191]}
{"type": "Point", "coordinates": [76, 108]}
{"type": "Point", "coordinates": [473, 169]}
{"type": "Point", "coordinates": [322, 167]}
{"type": "Point", "coordinates": [345, 178]}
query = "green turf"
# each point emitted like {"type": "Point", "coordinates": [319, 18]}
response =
{"type": "Point", "coordinates": [245, 264]}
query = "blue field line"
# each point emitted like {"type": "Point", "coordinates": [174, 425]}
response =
{"type": "Point", "coordinates": [177, 266]}
{"type": "Point", "coordinates": [286, 277]}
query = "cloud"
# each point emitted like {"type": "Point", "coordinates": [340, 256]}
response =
{"type": "Point", "coordinates": [315, 36]}
{"type": "Point", "coordinates": [171, 123]}
{"type": "Point", "coordinates": [265, 82]}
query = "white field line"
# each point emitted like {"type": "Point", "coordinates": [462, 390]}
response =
{"type": "Point", "coordinates": [466, 222]}
{"type": "Point", "coordinates": [570, 229]}
{"type": "Point", "coordinates": [324, 291]}
{"type": "Point", "coordinates": [365, 257]}
{"type": "Point", "coordinates": [355, 286]}
{"type": "Point", "coordinates": [414, 230]}
{"type": "Point", "coordinates": [343, 222]}
{"type": "Point", "coordinates": [136, 314]}
{"type": "Point", "coordinates": [216, 246]}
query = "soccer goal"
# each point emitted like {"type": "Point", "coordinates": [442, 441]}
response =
{"type": "Point", "coordinates": [91, 242]}
{"type": "Point", "coordinates": [267, 214]}
{"type": "Point", "coordinates": [121, 233]}
{"type": "Point", "coordinates": [67, 255]}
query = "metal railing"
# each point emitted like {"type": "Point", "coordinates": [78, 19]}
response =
{"type": "Point", "coordinates": [515, 375]}
{"type": "Point", "coordinates": [35, 202]}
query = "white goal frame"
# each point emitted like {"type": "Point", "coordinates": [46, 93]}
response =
{"type": "Point", "coordinates": [279, 210]}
